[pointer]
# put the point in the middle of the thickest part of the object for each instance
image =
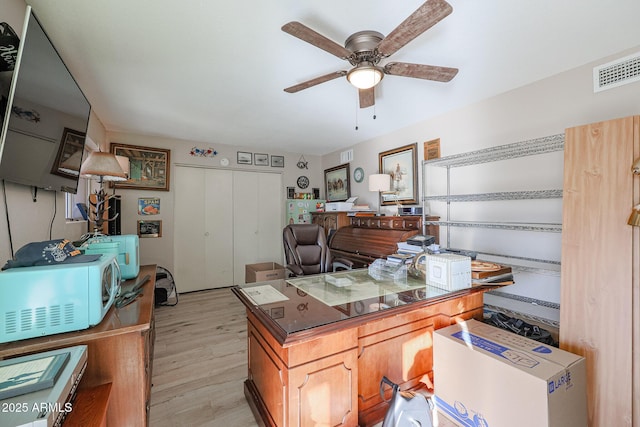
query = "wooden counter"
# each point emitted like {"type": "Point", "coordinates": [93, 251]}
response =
{"type": "Point", "coordinates": [314, 364]}
{"type": "Point", "coordinates": [120, 352]}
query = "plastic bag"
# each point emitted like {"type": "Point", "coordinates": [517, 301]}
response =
{"type": "Point", "coordinates": [406, 408]}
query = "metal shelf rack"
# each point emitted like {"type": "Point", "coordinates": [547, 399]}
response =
{"type": "Point", "coordinates": [531, 147]}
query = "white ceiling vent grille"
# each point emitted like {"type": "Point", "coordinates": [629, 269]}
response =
{"type": "Point", "coordinates": [617, 73]}
{"type": "Point", "coordinates": [346, 156]}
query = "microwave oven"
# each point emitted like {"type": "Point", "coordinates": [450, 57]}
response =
{"type": "Point", "coordinates": [125, 247]}
{"type": "Point", "coordinates": [44, 300]}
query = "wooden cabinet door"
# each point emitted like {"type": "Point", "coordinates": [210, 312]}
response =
{"type": "Point", "coordinates": [597, 276]}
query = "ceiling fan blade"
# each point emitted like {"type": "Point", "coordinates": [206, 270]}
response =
{"type": "Point", "coordinates": [305, 33]}
{"type": "Point", "coordinates": [425, 17]}
{"type": "Point", "coordinates": [316, 81]}
{"type": "Point", "coordinates": [367, 97]}
{"type": "Point", "coordinates": [420, 71]}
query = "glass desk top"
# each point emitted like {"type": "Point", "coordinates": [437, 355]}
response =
{"type": "Point", "coordinates": [302, 303]}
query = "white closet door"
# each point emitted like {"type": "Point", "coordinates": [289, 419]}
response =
{"type": "Point", "coordinates": [189, 252]}
{"type": "Point", "coordinates": [218, 231]}
{"type": "Point", "coordinates": [257, 225]}
{"type": "Point", "coordinates": [224, 220]}
{"type": "Point", "coordinates": [203, 243]}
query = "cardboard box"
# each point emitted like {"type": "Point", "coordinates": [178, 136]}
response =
{"type": "Point", "coordinates": [448, 271]}
{"type": "Point", "coordinates": [263, 271]}
{"type": "Point", "coordinates": [485, 376]}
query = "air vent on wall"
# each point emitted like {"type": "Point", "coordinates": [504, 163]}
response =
{"type": "Point", "coordinates": [346, 156]}
{"type": "Point", "coordinates": [617, 73]}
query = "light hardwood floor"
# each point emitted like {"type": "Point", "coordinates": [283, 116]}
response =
{"type": "Point", "coordinates": [200, 362]}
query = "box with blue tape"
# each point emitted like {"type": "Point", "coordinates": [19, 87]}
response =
{"type": "Point", "coordinates": [486, 376]}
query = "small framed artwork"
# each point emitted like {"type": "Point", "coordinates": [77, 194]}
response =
{"type": "Point", "coordinates": [277, 161]}
{"type": "Point", "coordinates": [336, 181]}
{"type": "Point", "coordinates": [148, 206]}
{"type": "Point", "coordinates": [244, 158]}
{"type": "Point", "coordinates": [149, 228]}
{"type": "Point", "coordinates": [401, 164]}
{"type": "Point", "coordinates": [316, 193]}
{"type": "Point", "coordinates": [148, 167]}
{"type": "Point", "coordinates": [260, 159]}
{"type": "Point", "coordinates": [432, 149]}
{"type": "Point", "coordinates": [291, 192]}
{"type": "Point", "coordinates": [69, 157]}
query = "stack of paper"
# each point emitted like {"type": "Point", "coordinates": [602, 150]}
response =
{"type": "Point", "coordinates": [398, 258]}
{"type": "Point", "coordinates": [405, 248]}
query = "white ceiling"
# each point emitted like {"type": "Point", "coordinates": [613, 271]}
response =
{"type": "Point", "coordinates": [214, 71]}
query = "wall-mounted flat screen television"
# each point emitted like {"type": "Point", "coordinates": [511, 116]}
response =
{"type": "Point", "coordinates": [44, 116]}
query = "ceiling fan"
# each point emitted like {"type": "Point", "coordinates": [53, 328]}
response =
{"type": "Point", "coordinates": [365, 49]}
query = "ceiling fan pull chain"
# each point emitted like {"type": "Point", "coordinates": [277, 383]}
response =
{"type": "Point", "coordinates": [356, 114]}
{"type": "Point", "coordinates": [374, 111]}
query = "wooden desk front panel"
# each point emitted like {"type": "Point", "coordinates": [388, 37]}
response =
{"type": "Point", "coordinates": [401, 348]}
{"type": "Point", "coordinates": [310, 383]}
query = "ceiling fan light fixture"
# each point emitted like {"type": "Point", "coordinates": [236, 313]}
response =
{"type": "Point", "coordinates": [365, 75]}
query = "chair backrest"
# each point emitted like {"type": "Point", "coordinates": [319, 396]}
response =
{"type": "Point", "coordinates": [305, 245]}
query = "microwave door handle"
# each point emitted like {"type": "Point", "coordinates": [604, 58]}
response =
{"type": "Point", "coordinates": [118, 277]}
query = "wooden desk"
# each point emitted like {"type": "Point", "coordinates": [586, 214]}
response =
{"type": "Point", "coordinates": [312, 363]}
{"type": "Point", "coordinates": [120, 351]}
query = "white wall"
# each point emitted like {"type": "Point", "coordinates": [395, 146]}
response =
{"type": "Point", "coordinates": [160, 250]}
{"type": "Point", "coordinates": [544, 108]}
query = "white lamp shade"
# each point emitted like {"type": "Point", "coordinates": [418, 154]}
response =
{"type": "Point", "coordinates": [123, 161]}
{"type": "Point", "coordinates": [380, 182]}
{"type": "Point", "coordinates": [103, 166]}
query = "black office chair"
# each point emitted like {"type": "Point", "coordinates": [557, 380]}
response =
{"type": "Point", "coordinates": [307, 252]}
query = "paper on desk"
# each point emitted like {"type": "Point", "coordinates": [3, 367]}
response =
{"type": "Point", "coordinates": [265, 294]}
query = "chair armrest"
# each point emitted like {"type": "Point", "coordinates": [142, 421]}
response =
{"type": "Point", "coordinates": [295, 269]}
{"type": "Point", "coordinates": [343, 263]}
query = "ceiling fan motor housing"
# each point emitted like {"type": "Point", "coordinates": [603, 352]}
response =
{"type": "Point", "coordinates": [363, 44]}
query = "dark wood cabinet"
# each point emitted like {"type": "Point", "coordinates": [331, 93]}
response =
{"type": "Point", "coordinates": [330, 220]}
{"type": "Point", "coordinates": [336, 220]}
{"type": "Point", "coordinates": [397, 223]}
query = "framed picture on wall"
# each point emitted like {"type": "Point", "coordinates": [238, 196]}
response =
{"type": "Point", "coordinates": [244, 158]}
{"type": "Point", "coordinates": [148, 206]}
{"type": "Point", "coordinates": [149, 228]}
{"type": "Point", "coordinates": [148, 167]}
{"type": "Point", "coordinates": [402, 164]}
{"type": "Point", "coordinates": [336, 180]}
{"type": "Point", "coordinates": [69, 155]}
{"type": "Point", "coordinates": [277, 161]}
{"type": "Point", "coordinates": [260, 159]}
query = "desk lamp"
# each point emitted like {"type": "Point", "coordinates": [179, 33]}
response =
{"type": "Point", "coordinates": [381, 183]}
{"type": "Point", "coordinates": [101, 167]}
